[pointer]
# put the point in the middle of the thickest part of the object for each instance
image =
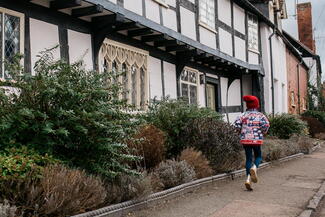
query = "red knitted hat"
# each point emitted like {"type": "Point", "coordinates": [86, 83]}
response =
{"type": "Point", "coordinates": [252, 102]}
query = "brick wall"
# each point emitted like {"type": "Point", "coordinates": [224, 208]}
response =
{"type": "Point", "coordinates": [305, 25]}
{"type": "Point", "coordinates": [293, 103]}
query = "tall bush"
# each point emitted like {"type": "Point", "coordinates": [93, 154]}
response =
{"type": "Point", "coordinates": [285, 125]}
{"type": "Point", "coordinates": [217, 140]}
{"type": "Point", "coordinates": [149, 144]}
{"type": "Point", "coordinates": [70, 112]}
{"type": "Point", "coordinates": [319, 115]}
{"type": "Point", "coordinates": [172, 116]}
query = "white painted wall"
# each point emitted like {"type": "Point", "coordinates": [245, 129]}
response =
{"type": "Point", "coordinates": [188, 23]}
{"type": "Point", "coordinates": [224, 11]}
{"type": "Point", "coordinates": [280, 71]}
{"type": "Point", "coordinates": [169, 18]}
{"type": "Point", "coordinates": [223, 87]}
{"type": "Point", "coordinates": [80, 48]}
{"type": "Point", "coordinates": [133, 5]}
{"type": "Point", "coordinates": [171, 3]}
{"type": "Point", "coordinates": [239, 19]}
{"type": "Point", "coordinates": [240, 49]}
{"type": "Point", "coordinates": [202, 95]}
{"type": "Point", "coordinates": [232, 117]}
{"type": "Point", "coordinates": [154, 71]}
{"type": "Point", "coordinates": [152, 11]}
{"type": "Point", "coordinates": [170, 80]}
{"type": "Point", "coordinates": [253, 57]}
{"type": "Point", "coordinates": [225, 41]}
{"type": "Point", "coordinates": [234, 95]}
{"type": "Point", "coordinates": [207, 37]}
{"type": "Point", "coordinates": [43, 36]}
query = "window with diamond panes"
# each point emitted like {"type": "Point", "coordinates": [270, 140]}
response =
{"type": "Point", "coordinates": [206, 13]}
{"type": "Point", "coordinates": [252, 33]}
{"type": "Point", "coordinates": [131, 66]}
{"type": "Point", "coordinates": [10, 39]}
{"type": "Point", "coordinates": [189, 85]}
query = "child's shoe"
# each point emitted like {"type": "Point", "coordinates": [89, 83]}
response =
{"type": "Point", "coordinates": [248, 183]}
{"type": "Point", "coordinates": [253, 172]}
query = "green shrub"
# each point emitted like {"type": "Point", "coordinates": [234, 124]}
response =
{"type": "Point", "coordinates": [285, 125]}
{"type": "Point", "coordinates": [217, 140]}
{"type": "Point", "coordinates": [314, 125]}
{"type": "Point", "coordinates": [19, 163]}
{"type": "Point", "coordinates": [172, 116]}
{"type": "Point", "coordinates": [74, 114]}
{"type": "Point", "coordinates": [172, 173]}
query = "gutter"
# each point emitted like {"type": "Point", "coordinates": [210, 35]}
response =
{"type": "Point", "coordinates": [272, 71]}
{"type": "Point", "coordinates": [298, 75]}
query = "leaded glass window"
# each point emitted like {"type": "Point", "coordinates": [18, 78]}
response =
{"type": "Point", "coordinates": [252, 32]}
{"type": "Point", "coordinates": [189, 85]}
{"type": "Point", "coordinates": [10, 38]}
{"type": "Point", "coordinates": [131, 64]}
{"type": "Point", "coordinates": [207, 13]}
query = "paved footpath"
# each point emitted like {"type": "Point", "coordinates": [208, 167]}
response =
{"type": "Point", "coordinates": [283, 191]}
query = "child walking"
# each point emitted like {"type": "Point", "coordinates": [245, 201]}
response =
{"type": "Point", "coordinates": [253, 125]}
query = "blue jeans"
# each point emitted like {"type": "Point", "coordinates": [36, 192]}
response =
{"type": "Point", "coordinates": [249, 156]}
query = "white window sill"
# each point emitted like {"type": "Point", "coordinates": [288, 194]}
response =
{"type": "Point", "coordinates": [207, 27]}
{"type": "Point", "coordinates": [162, 3]}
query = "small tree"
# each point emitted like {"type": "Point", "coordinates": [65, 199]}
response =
{"type": "Point", "coordinates": [69, 112]}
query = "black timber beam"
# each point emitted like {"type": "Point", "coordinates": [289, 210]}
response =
{"type": "Point", "coordinates": [151, 38]}
{"type": "Point", "coordinates": [177, 48]}
{"type": "Point", "coordinates": [107, 21]}
{"type": "Point", "coordinates": [63, 4]}
{"type": "Point", "coordinates": [127, 26]}
{"type": "Point", "coordinates": [87, 11]}
{"type": "Point", "coordinates": [166, 43]}
{"type": "Point", "coordinates": [139, 32]}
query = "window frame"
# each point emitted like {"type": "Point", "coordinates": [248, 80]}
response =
{"type": "Point", "coordinates": [293, 99]}
{"type": "Point", "coordinates": [144, 66]}
{"type": "Point", "coordinates": [21, 16]}
{"type": "Point", "coordinates": [255, 26]}
{"type": "Point", "coordinates": [205, 24]}
{"type": "Point", "coordinates": [197, 84]}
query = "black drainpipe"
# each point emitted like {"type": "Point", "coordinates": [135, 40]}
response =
{"type": "Point", "coordinates": [272, 76]}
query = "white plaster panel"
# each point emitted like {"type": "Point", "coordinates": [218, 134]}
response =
{"type": "Point", "coordinates": [240, 49]}
{"type": "Point", "coordinates": [252, 57]}
{"type": "Point", "coordinates": [232, 117]}
{"type": "Point", "coordinates": [152, 11]}
{"type": "Point", "coordinates": [133, 5]}
{"type": "Point", "coordinates": [202, 95]}
{"type": "Point", "coordinates": [80, 48]}
{"type": "Point", "coordinates": [208, 38]}
{"type": "Point", "coordinates": [234, 95]}
{"type": "Point", "coordinates": [224, 11]}
{"type": "Point", "coordinates": [43, 36]}
{"type": "Point", "coordinates": [169, 18]}
{"type": "Point", "coordinates": [171, 3]}
{"type": "Point", "coordinates": [239, 19]}
{"type": "Point", "coordinates": [223, 87]}
{"type": "Point", "coordinates": [170, 80]}
{"type": "Point", "coordinates": [114, 1]}
{"type": "Point", "coordinates": [154, 71]}
{"type": "Point", "coordinates": [225, 41]}
{"type": "Point", "coordinates": [188, 23]}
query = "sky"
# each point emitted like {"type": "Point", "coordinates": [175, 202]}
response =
{"type": "Point", "coordinates": [291, 26]}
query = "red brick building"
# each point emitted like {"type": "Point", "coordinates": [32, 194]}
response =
{"type": "Point", "coordinates": [297, 76]}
